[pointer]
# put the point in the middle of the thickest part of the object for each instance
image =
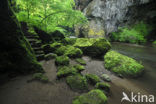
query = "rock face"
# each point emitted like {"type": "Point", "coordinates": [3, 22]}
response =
{"type": "Point", "coordinates": [111, 14]}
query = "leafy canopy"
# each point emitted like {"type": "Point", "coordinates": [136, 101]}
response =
{"type": "Point", "coordinates": [49, 15]}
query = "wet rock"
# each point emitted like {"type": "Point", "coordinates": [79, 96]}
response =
{"type": "Point", "coordinates": [105, 77]}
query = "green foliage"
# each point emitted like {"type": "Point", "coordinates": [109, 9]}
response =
{"type": "Point", "coordinates": [77, 82]}
{"type": "Point", "coordinates": [81, 61]}
{"type": "Point", "coordinates": [79, 67]}
{"type": "Point", "coordinates": [62, 60]}
{"type": "Point", "coordinates": [122, 64]}
{"type": "Point", "coordinates": [64, 71]}
{"type": "Point", "coordinates": [50, 56]}
{"type": "Point", "coordinates": [49, 14]}
{"type": "Point", "coordinates": [135, 34]}
{"type": "Point", "coordinates": [103, 86]}
{"type": "Point", "coordinates": [92, 78]}
{"type": "Point", "coordinates": [41, 77]}
{"type": "Point", "coordinates": [92, 97]}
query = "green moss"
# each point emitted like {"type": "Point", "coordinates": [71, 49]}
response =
{"type": "Point", "coordinates": [40, 77]}
{"type": "Point", "coordinates": [103, 86]}
{"type": "Point", "coordinates": [73, 52]}
{"type": "Point", "coordinates": [55, 45]}
{"type": "Point", "coordinates": [154, 43]}
{"type": "Point", "coordinates": [61, 50]}
{"type": "Point", "coordinates": [69, 41]}
{"type": "Point", "coordinates": [134, 34]}
{"type": "Point", "coordinates": [92, 78]}
{"type": "Point", "coordinates": [77, 82]}
{"type": "Point", "coordinates": [50, 56]}
{"type": "Point", "coordinates": [122, 64]}
{"type": "Point", "coordinates": [92, 97]}
{"type": "Point", "coordinates": [62, 60]}
{"type": "Point", "coordinates": [93, 47]}
{"type": "Point", "coordinates": [79, 67]}
{"type": "Point", "coordinates": [69, 51]}
{"type": "Point", "coordinates": [64, 71]}
{"type": "Point", "coordinates": [81, 61]}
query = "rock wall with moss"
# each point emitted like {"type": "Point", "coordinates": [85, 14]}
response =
{"type": "Point", "coordinates": [16, 54]}
{"type": "Point", "coordinates": [109, 15]}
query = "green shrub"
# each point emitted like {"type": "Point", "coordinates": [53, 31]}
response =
{"type": "Point", "coordinates": [79, 67]}
{"type": "Point", "coordinates": [122, 64]}
{"type": "Point", "coordinates": [77, 82]}
{"type": "Point", "coordinates": [134, 34]}
{"type": "Point", "coordinates": [50, 56]}
{"type": "Point", "coordinates": [92, 78]}
{"type": "Point", "coordinates": [103, 86]}
{"type": "Point", "coordinates": [62, 60]}
{"type": "Point", "coordinates": [81, 61]}
{"type": "Point", "coordinates": [92, 97]}
{"type": "Point", "coordinates": [64, 71]}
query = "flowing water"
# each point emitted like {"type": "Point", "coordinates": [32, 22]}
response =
{"type": "Point", "coordinates": [147, 55]}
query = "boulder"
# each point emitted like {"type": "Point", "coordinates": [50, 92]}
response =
{"type": "Point", "coordinates": [77, 82]}
{"type": "Point", "coordinates": [93, 47]}
{"type": "Point", "coordinates": [105, 77]}
{"type": "Point", "coordinates": [92, 97]}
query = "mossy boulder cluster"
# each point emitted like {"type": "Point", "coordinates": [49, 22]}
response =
{"type": "Point", "coordinates": [93, 47]}
{"type": "Point", "coordinates": [77, 82]}
{"type": "Point", "coordinates": [92, 78]}
{"type": "Point", "coordinates": [92, 97]}
{"type": "Point", "coordinates": [122, 64]}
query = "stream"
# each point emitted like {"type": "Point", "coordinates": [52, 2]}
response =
{"type": "Point", "coordinates": [147, 55]}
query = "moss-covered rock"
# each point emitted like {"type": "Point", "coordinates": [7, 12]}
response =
{"type": "Point", "coordinates": [122, 64]}
{"type": "Point", "coordinates": [50, 56]}
{"type": "Point", "coordinates": [64, 71]}
{"type": "Point", "coordinates": [93, 47]}
{"type": "Point", "coordinates": [92, 78]}
{"type": "Point", "coordinates": [81, 61]}
{"type": "Point", "coordinates": [103, 86]}
{"type": "Point", "coordinates": [154, 43]}
{"type": "Point", "coordinates": [77, 82]}
{"type": "Point", "coordinates": [40, 77]}
{"type": "Point", "coordinates": [55, 45]}
{"type": "Point", "coordinates": [16, 55]}
{"type": "Point", "coordinates": [61, 50]}
{"type": "Point", "coordinates": [73, 52]}
{"type": "Point", "coordinates": [69, 41]}
{"type": "Point", "coordinates": [69, 51]}
{"type": "Point", "coordinates": [79, 67]}
{"type": "Point", "coordinates": [92, 97]}
{"type": "Point", "coordinates": [62, 60]}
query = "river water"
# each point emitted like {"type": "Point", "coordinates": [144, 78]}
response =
{"type": "Point", "coordinates": [147, 55]}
